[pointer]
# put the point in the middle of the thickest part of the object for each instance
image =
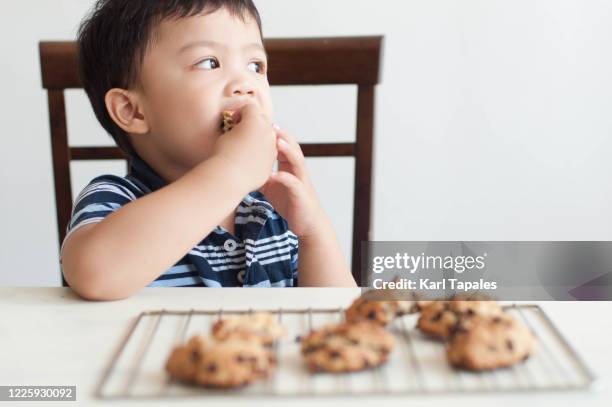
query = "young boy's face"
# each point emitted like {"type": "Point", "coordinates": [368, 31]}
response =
{"type": "Point", "coordinates": [195, 69]}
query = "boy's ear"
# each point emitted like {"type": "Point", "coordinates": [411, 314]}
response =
{"type": "Point", "coordinates": [125, 109]}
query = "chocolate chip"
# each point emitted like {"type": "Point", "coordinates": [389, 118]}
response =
{"type": "Point", "coordinates": [436, 317]}
{"type": "Point", "coordinates": [334, 354]}
{"type": "Point", "coordinates": [353, 341]}
{"type": "Point", "coordinates": [458, 328]}
{"type": "Point", "coordinates": [195, 356]}
{"type": "Point", "coordinates": [470, 312]}
{"type": "Point", "coordinates": [372, 315]}
{"type": "Point", "coordinates": [509, 345]}
{"type": "Point", "coordinates": [497, 320]}
{"type": "Point", "coordinates": [242, 359]}
{"type": "Point", "coordinates": [211, 368]}
{"type": "Point", "coordinates": [310, 349]}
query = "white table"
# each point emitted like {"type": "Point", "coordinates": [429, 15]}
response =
{"type": "Point", "coordinates": [49, 336]}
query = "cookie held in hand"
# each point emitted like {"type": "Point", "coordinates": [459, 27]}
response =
{"type": "Point", "coordinates": [227, 122]}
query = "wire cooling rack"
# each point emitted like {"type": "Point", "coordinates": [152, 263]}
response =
{"type": "Point", "coordinates": [417, 365]}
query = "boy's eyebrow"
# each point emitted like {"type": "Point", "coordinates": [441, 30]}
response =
{"type": "Point", "coordinates": [213, 44]}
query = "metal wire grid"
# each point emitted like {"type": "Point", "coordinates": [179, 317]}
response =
{"type": "Point", "coordinates": [417, 366]}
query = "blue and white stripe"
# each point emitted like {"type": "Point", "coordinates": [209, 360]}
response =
{"type": "Point", "coordinates": [263, 252]}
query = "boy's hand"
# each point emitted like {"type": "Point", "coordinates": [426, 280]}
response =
{"type": "Point", "coordinates": [290, 190]}
{"type": "Point", "coordinates": [250, 148]}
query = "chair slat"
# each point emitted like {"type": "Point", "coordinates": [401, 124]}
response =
{"type": "Point", "coordinates": [292, 61]}
{"type": "Point", "coordinates": [97, 153]}
{"type": "Point", "coordinates": [309, 149]}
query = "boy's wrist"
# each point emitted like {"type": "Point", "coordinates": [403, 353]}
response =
{"type": "Point", "coordinates": [231, 174]}
{"type": "Point", "coordinates": [320, 231]}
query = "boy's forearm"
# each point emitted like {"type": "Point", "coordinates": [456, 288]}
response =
{"type": "Point", "coordinates": [320, 260]}
{"type": "Point", "coordinates": [136, 244]}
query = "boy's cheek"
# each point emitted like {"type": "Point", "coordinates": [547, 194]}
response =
{"type": "Point", "coordinates": [268, 107]}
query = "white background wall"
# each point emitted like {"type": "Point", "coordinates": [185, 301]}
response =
{"type": "Point", "coordinates": [493, 121]}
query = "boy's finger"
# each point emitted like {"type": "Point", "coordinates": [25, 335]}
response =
{"type": "Point", "coordinates": [294, 158]}
{"type": "Point", "coordinates": [289, 139]}
{"type": "Point", "coordinates": [293, 184]}
{"type": "Point", "coordinates": [283, 163]}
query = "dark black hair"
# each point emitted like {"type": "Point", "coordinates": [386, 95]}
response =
{"type": "Point", "coordinates": [113, 39]}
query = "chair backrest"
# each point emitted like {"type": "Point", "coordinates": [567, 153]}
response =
{"type": "Point", "coordinates": [292, 61]}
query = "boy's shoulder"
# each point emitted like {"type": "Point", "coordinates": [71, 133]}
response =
{"type": "Point", "coordinates": [128, 181]}
{"type": "Point", "coordinates": [111, 188]}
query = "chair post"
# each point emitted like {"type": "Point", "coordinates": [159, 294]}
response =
{"type": "Point", "coordinates": [61, 162]}
{"type": "Point", "coordinates": [363, 175]}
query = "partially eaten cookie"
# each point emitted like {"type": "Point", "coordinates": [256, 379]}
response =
{"type": "Point", "coordinates": [227, 122]}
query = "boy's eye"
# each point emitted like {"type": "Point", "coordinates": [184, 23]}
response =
{"type": "Point", "coordinates": [208, 63]}
{"type": "Point", "coordinates": [257, 67]}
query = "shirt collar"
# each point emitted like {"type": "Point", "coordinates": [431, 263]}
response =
{"type": "Point", "coordinates": [140, 170]}
{"type": "Point", "coordinates": [143, 172]}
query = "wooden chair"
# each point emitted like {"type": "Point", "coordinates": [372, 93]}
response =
{"type": "Point", "coordinates": [295, 61]}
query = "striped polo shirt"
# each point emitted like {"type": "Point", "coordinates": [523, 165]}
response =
{"type": "Point", "coordinates": [263, 252]}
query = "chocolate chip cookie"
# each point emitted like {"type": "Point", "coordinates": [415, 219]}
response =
{"type": "Point", "coordinates": [381, 312]}
{"type": "Point", "coordinates": [183, 361]}
{"type": "Point", "coordinates": [347, 347]}
{"type": "Point", "coordinates": [261, 325]}
{"type": "Point", "coordinates": [438, 318]}
{"type": "Point", "coordinates": [489, 342]}
{"type": "Point", "coordinates": [220, 364]}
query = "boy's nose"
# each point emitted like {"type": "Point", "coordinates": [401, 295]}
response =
{"type": "Point", "coordinates": [241, 88]}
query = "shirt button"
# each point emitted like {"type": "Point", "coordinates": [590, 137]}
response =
{"type": "Point", "coordinates": [241, 277]}
{"type": "Point", "coordinates": [230, 245]}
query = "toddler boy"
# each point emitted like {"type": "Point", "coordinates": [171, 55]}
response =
{"type": "Point", "coordinates": [199, 207]}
